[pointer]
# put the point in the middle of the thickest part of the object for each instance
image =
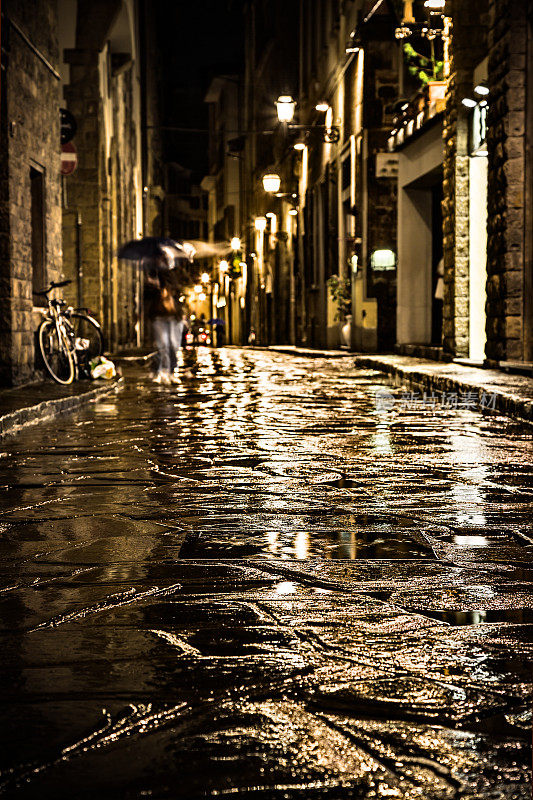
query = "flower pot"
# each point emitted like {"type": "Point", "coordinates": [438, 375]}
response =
{"type": "Point", "coordinates": [437, 90]}
{"type": "Point", "coordinates": [346, 332]}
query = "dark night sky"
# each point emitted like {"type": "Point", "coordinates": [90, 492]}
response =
{"type": "Point", "coordinates": [198, 40]}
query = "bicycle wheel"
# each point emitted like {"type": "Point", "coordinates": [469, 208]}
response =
{"type": "Point", "coordinates": [89, 337]}
{"type": "Point", "coordinates": [57, 357]}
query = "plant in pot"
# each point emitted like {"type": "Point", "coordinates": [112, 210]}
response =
{"type": "Point", "coordinates": [340, 290]}
{"type": "Point", "coordinates": [428, 71]}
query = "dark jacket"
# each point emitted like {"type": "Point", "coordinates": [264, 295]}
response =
{"type": "Point", "coordinates": [155, 288]}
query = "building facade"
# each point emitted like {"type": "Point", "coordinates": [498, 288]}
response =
{"type": "Point", "coordinates": [403, 219]}
{"type": "Point", "coordinates": [224, 186]}
{"type": "Point", "coordinates": [56, 226]}
{"type": "Point", "coordinates": [30, 185]}
{"type": "Point", "coordinates": [104, 197]}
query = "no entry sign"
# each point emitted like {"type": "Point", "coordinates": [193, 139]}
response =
{"type": "Point", "coordinates": [69, 158]}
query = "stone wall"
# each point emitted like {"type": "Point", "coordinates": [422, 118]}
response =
{"type": "Point", "coordinates": [104, 190]}
{"type": "Point", "coordinates": [29, 137]}
{"type": "Point", "coordinates": [506, 146]}
{"type": "Point", "coordinates": [467, 49]}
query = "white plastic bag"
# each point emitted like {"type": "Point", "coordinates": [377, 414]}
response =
{"type": "Point", "coordinates": [102, 368]}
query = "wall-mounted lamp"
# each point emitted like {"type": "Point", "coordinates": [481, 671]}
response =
{"type": "Point", "coordinates": [293, 211]}
{"type": "Point", "coordinates": [468, 102]}
{"type": "Point", "coordinates": [383, 260]}
{"type": "Point", "coordinates": [482, 89]}
{"type": "Point", "coordinates": [322, 106]}
{"type": "Point", "coordinates": [271, 182]}
{"type": "Point", "coordinates": [299, 146]}
{"type": "Point", "coordinates": [285, 106]}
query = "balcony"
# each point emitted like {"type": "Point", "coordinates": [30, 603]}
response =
{"type": "Point", "coordinates": [415, 114]}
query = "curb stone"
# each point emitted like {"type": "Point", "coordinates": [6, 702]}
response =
{"type": "Point", "coordinates": [47, 409]}
{"type": "Point", "coordinates": [507, 400]}
{"type": "Point", "coordinates": [308, 352]}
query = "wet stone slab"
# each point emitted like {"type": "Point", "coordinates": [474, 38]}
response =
{"type": "Point", "coordinates": [255, 584]}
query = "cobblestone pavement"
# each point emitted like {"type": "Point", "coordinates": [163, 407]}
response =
{"type": "Point", "coordinates": [257, 584]}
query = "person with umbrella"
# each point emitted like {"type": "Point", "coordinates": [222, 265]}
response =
{"type": "Point", "coordinates": [160, 258]}
{"type": "Point", "coordinates": [219, 330]}
{"type": "Point", "coordinates": [165, 312]}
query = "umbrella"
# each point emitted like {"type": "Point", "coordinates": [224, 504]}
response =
{"type": "Point", "coordinates": [154, 248]}
{"type": "Point", "coordinates": [216, 321]}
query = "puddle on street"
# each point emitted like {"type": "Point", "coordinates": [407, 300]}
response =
{"type": "Point", "coordinates": [280, 543]}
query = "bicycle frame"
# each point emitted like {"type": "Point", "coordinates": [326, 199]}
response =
{"type": "Point", "coordinates": [64, 330]}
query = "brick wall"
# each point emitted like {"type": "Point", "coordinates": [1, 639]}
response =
{"type": "Point", "coordinates": [506, 146]}
{"type": "Point", "coordinates": [29, 135]}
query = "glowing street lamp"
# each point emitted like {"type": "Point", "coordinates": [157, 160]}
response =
{"type": "Point", "coordinates": [235, 243]}
{"type": "Point", "coordinates": [285, 107]}
{"type": "Point", "coordinates": [271, 183]}
{"type": "Point", "coordinates": [322, 106]}
{"type": "Point", "coordinates": [205, 277]}
{"type": "Point", "coordinates": [300, 146]}
{"type": "Point", "coordinates": [224, 266]}
{"type": "Point", "coordinates": [260, 223]}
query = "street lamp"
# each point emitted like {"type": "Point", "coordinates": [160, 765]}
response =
{"type": "Point", "coordinates": [235, 243]}
{"type": "Point", "coordinates": [205, 277]}
{"type": "Point", "coordinates": [271, 182]}
{"type": "Point", "coordinates": [285, 107]}
{"type": "Point", "coordinates": [322, 106]}
{"type": "Point", "coordinates": [224, 266]}
{"type": "Point", "coordinates": [260, 223]}
{"type": "Point", "coordinates": [300, 146]}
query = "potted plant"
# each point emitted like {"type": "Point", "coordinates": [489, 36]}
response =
{"type": "Point", "coordinates": [429, 71]}
{"type": "Point", "coordinates": [340, 290]}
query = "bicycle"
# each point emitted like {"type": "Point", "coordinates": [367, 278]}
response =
{"type": "Point", "coordinates": [68, 338]}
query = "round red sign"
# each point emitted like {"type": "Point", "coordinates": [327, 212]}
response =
{"type": "Point", "coordinates": [69, 158]}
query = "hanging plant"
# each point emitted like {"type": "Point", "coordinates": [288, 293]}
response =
{"type": "Point", "coordinates": [340, 290]}
{"type": "Point", "coordinates": [424, 69]}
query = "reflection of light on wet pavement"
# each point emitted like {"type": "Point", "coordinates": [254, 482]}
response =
{"type": "Point", "coordinates": [471, 541]}
{"type": "Point", "coordinates": [259, 543]}
{"type": "Point", "coordinates": [301, 545]}
{"type": "Point", "coordinates": [285, 587]}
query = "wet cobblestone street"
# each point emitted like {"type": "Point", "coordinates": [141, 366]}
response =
{"type": "Point", "coordinates": [255, 583]}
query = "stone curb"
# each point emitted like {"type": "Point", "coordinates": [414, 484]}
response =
{"type": "Point", "coordinates": [506, 402]}
{"type": "Point", "coordinates": [30, 415]}
{"type": "Point", "coordinates": [308, 352]}
{"type": "Point", "coordinates": [142, 358]}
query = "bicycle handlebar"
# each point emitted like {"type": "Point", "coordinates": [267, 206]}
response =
{"type": "Point", "coordinates": [53, 285]}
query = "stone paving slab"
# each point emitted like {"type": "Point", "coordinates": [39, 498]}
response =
{"type": "Point", "coordinates": [513, 393]}
{"type": "Point", "coordinates": [286, 689]}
